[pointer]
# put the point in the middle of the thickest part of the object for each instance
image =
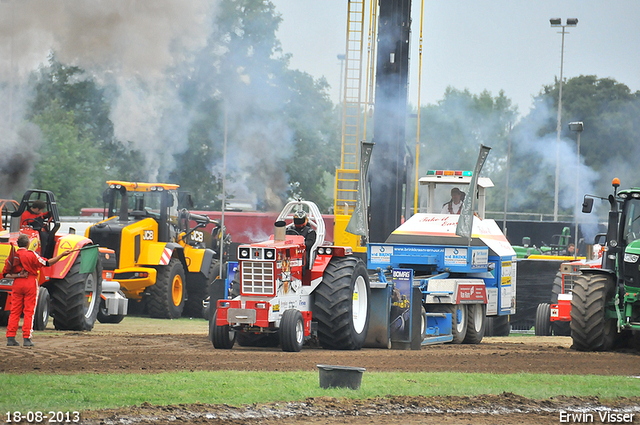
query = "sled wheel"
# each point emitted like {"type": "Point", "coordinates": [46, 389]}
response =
{"type": "Point", "coordinates": [476, 322]}
{"type": "Point", "coordinates": [458, 319]}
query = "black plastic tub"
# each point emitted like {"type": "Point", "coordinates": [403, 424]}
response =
{"type": "Point", "coordinates": [340, 376]}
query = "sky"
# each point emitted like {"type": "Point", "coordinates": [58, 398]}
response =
{"type": "Point", "coordinates": [480, 44]}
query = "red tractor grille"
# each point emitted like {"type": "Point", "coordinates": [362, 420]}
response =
{"type": "Point", "coordinates": [257, 278]}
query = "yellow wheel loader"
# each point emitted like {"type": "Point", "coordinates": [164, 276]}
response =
{"type": "Point", "coordinates": [160, 261]}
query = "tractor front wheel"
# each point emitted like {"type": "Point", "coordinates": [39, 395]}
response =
{"type": "Point", "coordinates": [75, 298]}
{"type": "Point", "coordinates": [222, 337]}
{"type": "Point", "coordinates": [292, 330]}
{"type": "Point", "coordinates": [166, 296]}
{"type": "Point", "coordinates": [591, 329]}
{"type": "Point", "coordinates": [41, 316]}
{"type": "Point", "coordinates": [342, 303]}
{"type": "Point", "coordinates": [543, 320]}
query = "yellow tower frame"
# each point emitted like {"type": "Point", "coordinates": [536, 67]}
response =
{"type": "Point", "coordinates": [347, 176]}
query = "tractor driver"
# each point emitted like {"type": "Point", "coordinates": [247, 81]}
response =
{"type": "Point", "coordinates": [34, 215]}
{"type": "Point", "coordinates": [302, 227]}
{"type": "Point", "coordinates": [454, 206]}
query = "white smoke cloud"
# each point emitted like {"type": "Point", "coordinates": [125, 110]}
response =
{"type": "Point", "coordinates": [575, 178]}
{"type": "Point", "coordinates": [131, 43]}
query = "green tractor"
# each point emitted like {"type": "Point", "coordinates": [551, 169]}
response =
{"type": "Point", "coordinates": [605, 307]}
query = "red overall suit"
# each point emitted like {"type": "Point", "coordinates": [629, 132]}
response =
{"type": "Point", "coordinates": [24, 295]}
{"type": "Point", "coordinates": [30, 215]}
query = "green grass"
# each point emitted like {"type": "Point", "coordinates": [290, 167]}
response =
{"type": "Point", "coordinates": [90, 391]}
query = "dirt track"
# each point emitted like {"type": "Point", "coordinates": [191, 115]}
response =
{"type": "Point", "coordinates": [149, 346]}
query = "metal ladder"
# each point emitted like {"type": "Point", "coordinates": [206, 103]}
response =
{"type": "Point", "coordinates": [348, 175]}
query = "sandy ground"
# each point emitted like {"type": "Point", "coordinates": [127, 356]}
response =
{"type": "Point", "coordinates": [140, 345]}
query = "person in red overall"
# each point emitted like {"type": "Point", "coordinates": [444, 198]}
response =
{"type": "Point", "coordinates": [34, 213]}
{"type": "Point", "coordinates": [24, 295]}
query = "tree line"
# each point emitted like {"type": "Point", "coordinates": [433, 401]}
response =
{"type": "Point", "coordinates": [281, 133]}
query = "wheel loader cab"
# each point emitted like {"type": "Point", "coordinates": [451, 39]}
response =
{"type": "Point", "coordinates": [136, 201]}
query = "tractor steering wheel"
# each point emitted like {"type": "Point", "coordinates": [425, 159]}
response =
{"type": "Point", "coordinates": [292, 231]}
{"type": "Point", "coordinates": [33, 223]}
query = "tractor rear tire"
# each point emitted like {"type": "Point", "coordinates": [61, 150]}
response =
{"type": "Point", "coordinates": [342, 303]}
{"type": "Point", "coordinates": [105, 317]}
{"type": "Point", "coordinates": [556, 288]}
{"type": "Point", "coordinates": [497, 326]}
{"type": "Point", "coordinates": [590, 329]}
{"type": "Point", "coordinates": [222, 337]}
{"type": "Point", "coordinates": [199, 291]}
{"type": "Point", "coordinates": [75, 300]}
{"type": "Point", "coordinates": [543, 320]}
{"type": "Point", "coordinates": [41, 315]}
{"type": "Point", "coordinates": [166, 296]}
{"type": "Point", "coordinates": [458, 328]}
{"type": "Point", "coordinates": [292, 331]}
{"type": "Point", "coordinates": [476, 323]}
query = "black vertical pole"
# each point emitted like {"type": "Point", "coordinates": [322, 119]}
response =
{"type": "Point", "coordinates": [388, 171]}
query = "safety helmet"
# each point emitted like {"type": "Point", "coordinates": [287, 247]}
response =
{"type": "Point", "coordinates": [300, 218]}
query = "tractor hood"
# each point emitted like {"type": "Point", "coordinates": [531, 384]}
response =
{"type": "Point", "coordinates": [440, 229]}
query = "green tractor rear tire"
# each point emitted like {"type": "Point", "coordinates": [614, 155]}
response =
{"type": "Point", "coordinates": [75, 299]}
{"type": "Point", "coordinates": [590, 329]}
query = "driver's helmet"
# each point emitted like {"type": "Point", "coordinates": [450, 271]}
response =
{"type": "Point", "coordinates": [300, 218]}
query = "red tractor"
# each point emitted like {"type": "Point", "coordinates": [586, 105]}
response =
{"type": "Point", "coordinates": [284, 293]}
{"type": "Point", "coordinates": [71, 296]}
{"type": "Point", "coordinates": [555, 317]}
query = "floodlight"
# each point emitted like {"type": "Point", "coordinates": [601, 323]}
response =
{"type": "Point", "coordinates": [576, 126]}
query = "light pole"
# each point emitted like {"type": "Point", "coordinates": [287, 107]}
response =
{"type": "Point", "coordinates": [341, 58]}
{"type": "Point", "coordinates": [557, 22]}
{"type": "Point", "coordinates": [577, 126]}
